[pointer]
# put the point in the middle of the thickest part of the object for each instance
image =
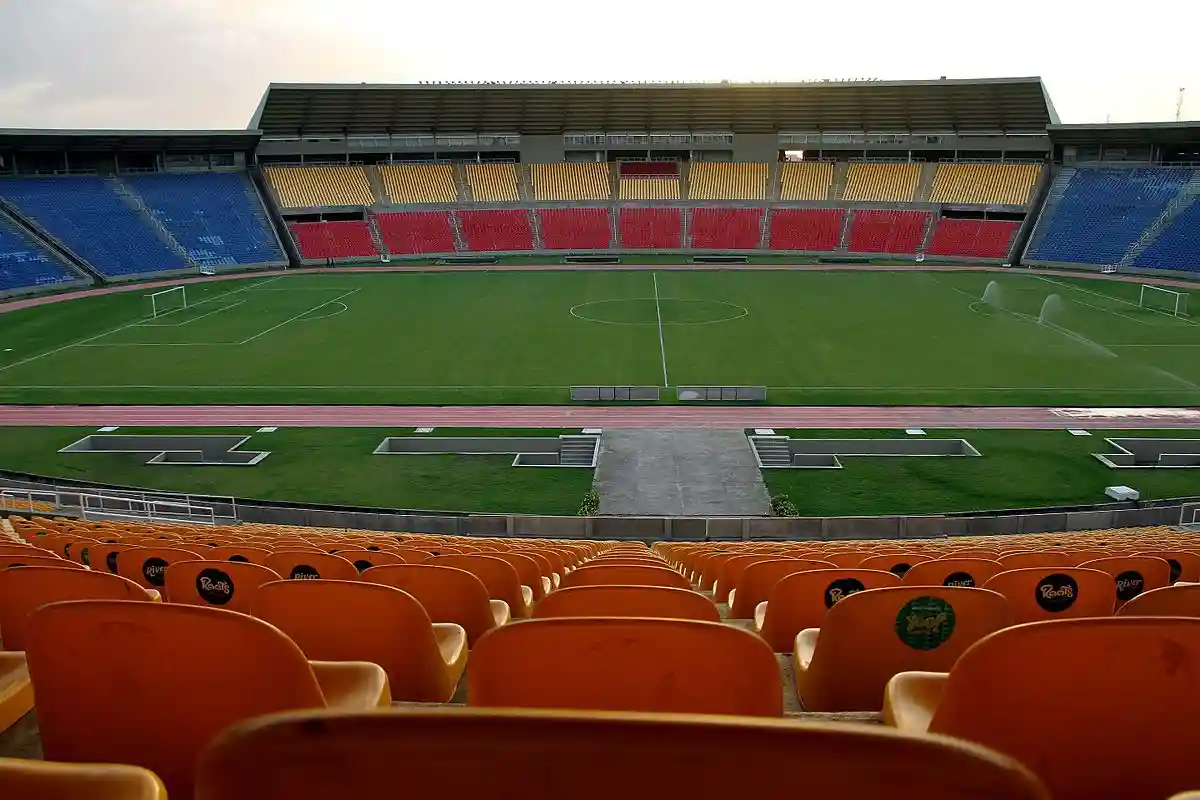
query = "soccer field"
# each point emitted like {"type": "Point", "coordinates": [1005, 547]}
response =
{"type": "Point", "coordinates": [837, 337]}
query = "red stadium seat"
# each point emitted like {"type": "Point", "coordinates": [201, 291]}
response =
{"type": "Point", "coordinates": [575, 228]}
{"type": "Point", "coordinates": [887, 231]}
{"type": "Point", "coordinates": [496, 230]}
{"type": "Point", "coordinates": [650, 228]}
{"type": "Point", "coordinates": [409, 232]}
{"type": "Point", "coordinates": [726, 228]}
{"type": "Point", "coordinates": [332, 240]}
{"type": "Point", "coordinates": [972, 238]}
{"type": "Point", "coordinates": [818, 229]}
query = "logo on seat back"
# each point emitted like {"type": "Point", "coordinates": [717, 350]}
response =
{"type": "Point", "coordinates": [925, 623]}
{"type": "Point", "coordinates": [959, 579]}
{"type": "Point", "coordinates": [840, 589]}
{"type": "Point", "coordinates": [1129, 584]}
{"type": "Point", "coordinates": [154, 570]}
{"type": "Point", "coordinates": [304, 572]}
{"type": "Point", "coordinates": [1056, 593]}
{"type": "Point", "coordinates": [214, 586]}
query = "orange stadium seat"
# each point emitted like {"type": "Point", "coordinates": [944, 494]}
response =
{"type": "Point", "coordinates": [1046, 593]}
{"type": "Point", "coordinates": [230, 585]}
{"type": "Point", "coordinates": [47, 560]}
{"type": "Point", "coordinates": [295, 565]}
{"type": "Point", "coordinates": [802, 600]}
{"type": "Point", "coordinates": [626, 664]}
{"type": "Point", "coordinates": [1169, 601]}
{"type": "Point", "coordinates": [759, 578]}
{"type": "Point", "coordinates": [147, 566]}
{"type": "Point", "coordinates": [627, 601]}
{"type": "Point", "coordinates": [448, 594]}
{"type": "Point", "coordinates": [968, 572]}
{"type": "Point", "coordinates": [499, 578]}
{"type": "Point", "coordinates": [1133, 574]}
{"type": "Point", "coordinates": [599, 573]}
{"type": "Point", "coordinates": [42, 780]}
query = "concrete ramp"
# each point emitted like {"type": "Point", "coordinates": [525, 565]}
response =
{"type": "Point", "coordinates": [679, 473]}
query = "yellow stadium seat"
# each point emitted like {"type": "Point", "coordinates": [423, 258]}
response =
{"type": "Point", "coordinates": [882, 182]}
{"type": "Point", "coordinates": [1096, 707]}
{"type": "Point", "coordinates": [871, 636]}
{"type": "Point", "coordinates": [575, 181]}
{"type": "Point", "coordinates": [416, 184]}
{"type": "Point", "coordinates": [312, 187]}
{"type": "Point", "coordinates": [985, 184]}
{"type": "Point", "coordinates": [27, 779]}
{"type": "Point", "coordinates": [493, 183]}
{"type": "Point", "coordinates": [810, 180]}
{"type": "Point", "coordinates": [728, 181]}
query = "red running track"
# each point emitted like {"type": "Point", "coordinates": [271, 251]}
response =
{"type": "Point", "coordinates": [604, 416]}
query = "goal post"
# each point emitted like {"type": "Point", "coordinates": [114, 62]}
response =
{"type": "Point", "coordinates": [1160, 298]}
{"type": "Point", "coordinates": [168, 301]}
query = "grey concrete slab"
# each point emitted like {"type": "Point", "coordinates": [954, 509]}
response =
{"type": "Point", "coordinates": [679, 473]}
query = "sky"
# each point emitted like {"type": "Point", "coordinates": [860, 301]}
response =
{"type": "Point", "coordinates": [205, 63]}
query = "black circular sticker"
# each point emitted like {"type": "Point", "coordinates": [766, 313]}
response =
{"type": "Point", "coordinates": [304, 572]}
{"type": "Point", "coordinates": [374, 548]}
{"type": "Point", "coordinates": [242, 559]}
{"type": "Point", "coordinates": [900, 569]}
{"type": "Point", "coordinates": [110, 561]}
{"type": "Point", "coordinates": [85, 556]}
{"type": "Point", "coordinates": [214, 586]}
{"type": "Point", "coordinates": [363, 565]}
{"type": "Point", "coordinates": [959, 579]}
{"type": "Point", "coordinates": [1056, 592]}
{"type": "Point", "coordinates": [1130, 584]}
{"type": "Point", "coordinates": [840, 589]}
{"type": "Point", "coordinates": [154, 570]}
{"type": "Point", "coordinates": [1176, 569]}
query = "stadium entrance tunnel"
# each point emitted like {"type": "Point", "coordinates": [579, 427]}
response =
{"type": "Point", "coordinates": [650, 310]}
{"type": "Point", "coordinates": [782, 452]}
{"type": "Point", "coordinates": [529, 451]}
{"type": "Point", "coordinates": [1152, 454]}
{"type": "Point", "coordinates": [191, 451]}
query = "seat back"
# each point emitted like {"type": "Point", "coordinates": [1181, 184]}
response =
{"type": "Point", "coordinates": [870, 636]}
{"type": "Point", "coordinates": [968, 572]}
{"type": "Point", "coordinates": [359, 621]}
{"type": "Point", "coordinates": [710, 568]}
{"type": "Point", "coordinates": [230, 585]}
{"type": "Point", "coordinates": [1185, 566]}
{"type": "Point", "coordinates": [896, 563]}
{"type": "Point", "coordinates": [1169, 601]}
{"type": "Point", "coordinates": [759, 578]}
{"type": "Point", "coordinates": [41, 780]}
{"type": "Point", "coordinates": [26, 589]}
{"type": "Point", "coordinates": [625, 575]}
{"type": "Point", "coordinates": [1002, 692]}
{"type": "Point", "coordinates": [173, 676]}
{"type": "Point", "coordinates": [147, 566]}
{"type": "Point", "coordinates": [802, 600]}
{"type": "Point", "coordinates": [626, 664]}
{"type": "Point", "coordinates": [447, 594]}
{"type": "Point", "coordinates": [238, 552]}
{"type": "Point", "coordinates": [1133, 574]}
{"type": "Point", "coordinates": [528, 571]}
{"type": "Point", "coordinates": [730, 572]}
{"type": "Point", "coordinates": [497, 575]}
{"type": "Point", "coordinates": [534, 755]}
{"type": "Point", "coordinates": [1036, 558]}
{"type": "Point", "coordinates": [364, 560]}
{"type": "Point", "coordinates": [1045, 593]}
{"type": "Point", "coordinates": [34, 560]}
{"type": "Point", "coordinates": [661, 602]}
{"type": "Point", "coordinates": [295, 565]}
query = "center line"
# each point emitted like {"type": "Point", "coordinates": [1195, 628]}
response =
{"type": "Point", "coordinates": [662, 347]}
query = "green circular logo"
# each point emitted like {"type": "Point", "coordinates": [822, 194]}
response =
{"type": "Point", "coordinates": [925, 623]}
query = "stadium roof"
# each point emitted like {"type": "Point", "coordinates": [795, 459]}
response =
{"type": "Point", "coordinates": [128, 141]}
{"type": "Point", "coordinates": [1126, 134]}
{"type": "Point", "coordinates": [1014, 105]}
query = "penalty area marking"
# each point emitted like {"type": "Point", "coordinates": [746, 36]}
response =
{"type": "Point", "coordinates": [741, 311]}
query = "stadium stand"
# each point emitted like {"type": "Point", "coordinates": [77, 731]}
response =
{"type": "Point", "coordinates": [409, 232]}
{"type": "Point", "coordinates": [1177, 246]}
{"type": "Point", "coordinates": [728, 181]}
{"type": "Point", "coordinates": [216, 216]}
{"type": "Point", "coordinates": [24, 263]}
{"type": "Point", "coordinates": [650, 228]}
{"type": "Point", "coordinates": [808, 180]}
{"type": "Point", "coordinates": [648, 180]}
{"type": "Point", "coordinates": [334, 240]}
{"type": "Point", "coordinates": [806, 229]}
{"type": "Point", "coordinates": [973, 238]}
{"type": "Point", "coordinates": [415, 184]}
{"type": "Point", "coordinates": [577, 181]}
{"type": "Point", "coordinates": [886, 231]}
{"type": "Point", "coordinates": [313, 187]}
{"type": "Point", "coordinates": [725, 228]}
{"type": "Point", "coordinates": [881, 182]}
{"type": "Point", "coordinates": [575, 228]}
{"type": "Point", "coordinates": [985, 184]}
{"type": "Point", "coordinates": [496, 230]}
{"type": "Point", "coordinates": [98, 224]}
{"type": "Point", "coordinates": [493, 183]}
{"type": "Point", "coordinates": [1103, 212]}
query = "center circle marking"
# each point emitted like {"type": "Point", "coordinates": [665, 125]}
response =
{"type": "Point", "coordinates": [646, 310]}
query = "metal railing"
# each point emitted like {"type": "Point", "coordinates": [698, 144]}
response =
{"type": "Point", "coordinates": [105, 506]}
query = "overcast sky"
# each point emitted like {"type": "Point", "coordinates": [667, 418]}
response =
{"type": "Point", "coordinates": [206, 63]}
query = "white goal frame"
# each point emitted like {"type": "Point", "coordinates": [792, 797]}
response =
{"type": "Point", "coordinates": [1181, 300]}
{"type": "Point", "coordinates": [154, 301]}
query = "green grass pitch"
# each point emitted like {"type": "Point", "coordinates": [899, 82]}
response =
{"type": "Point", "coordinates": [839, 337]}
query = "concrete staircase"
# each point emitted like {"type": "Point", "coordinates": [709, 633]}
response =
{"type": "Point", "coordinates": [772, 451]}
{"type": "Point", "coordinates": [135, 201]}
{"type": "Point", "coordinates": [764, 230]}
{"type": "Point", "coordinates": [460, 241]}
{"type": "Point", "coordinates": [1057, 190]}
{"type": "Point", "coordinates": [685, 235]}
{"type": "Point", "coordinates": [841, 171]}
{"type": "Point", "coordinates": [535, 225]}
{"type": "Point", "coordinates": [925, 183]}
{"type": "Point", "coordinates": [578, 451]}
{"type": "Point", "coordinates": [377, 187]}
{"type": "Point", "coordinates": [376, 237]}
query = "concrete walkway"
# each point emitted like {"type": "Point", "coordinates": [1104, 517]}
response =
{"type": "Point", "coordinates": [679, 473]}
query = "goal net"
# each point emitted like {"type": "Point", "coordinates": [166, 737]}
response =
{"type": "Point", "coordinates": [168, 301]}
{"type": "Point", "coordinates": [1160, 298]}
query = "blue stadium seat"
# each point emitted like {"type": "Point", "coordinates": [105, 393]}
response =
{"type": "Point", "coordinates": [1177, 247]}
{"type": "Point", "coordinates": [87, 215]}
{"type": "Point", "coordinates": [1104, 211]}
{"type": "Point", "coordinates": [216, 216]}
{"type": "Point", "coordinates": [23, 263]}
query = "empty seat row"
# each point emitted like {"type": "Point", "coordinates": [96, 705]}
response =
{"type": "Point", "coordinates": [974, 238]}
{"type": "Point", "coordinates": [985, 184]}
{"type": "Point", "coordinates": [347, 239]}
{"type": "Point", "coordinates": [728, 181]}
{"type": "Point", "coordinates": [313, 187]}
{"type": "Point", "coordinates": [887, 231]}
{"type": "Point", "coordinates": [572, 181]}
{"type": "Point", "coordinates": [26, 263]}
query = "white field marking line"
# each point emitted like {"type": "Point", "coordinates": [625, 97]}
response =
{"type": "Point", "coordinates": [345, 308]}
{"type": "Point", "coordinates": [130, 325]}
{"type": "Point", "coordinates": [1118, 313]}
{"type": "Point", "coordinates": [662, 346]}
{"type": "Point", "coordinates": [1117, 299]}
{"type": "Point", "coordinates": [745, 312]}
{"type": "Point", "coordinates": [193, 319]}
{"type": "Point", "coordinates": [298, 316]}
{"type": "Point", "coordinates": [1155, 345]}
